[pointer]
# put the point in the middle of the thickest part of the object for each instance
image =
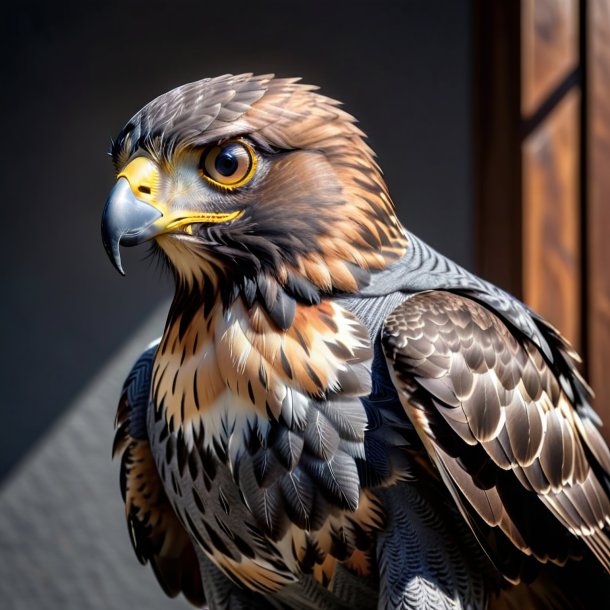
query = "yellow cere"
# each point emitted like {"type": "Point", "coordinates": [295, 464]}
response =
{"type": "Point", "coordinates": [143, 177]}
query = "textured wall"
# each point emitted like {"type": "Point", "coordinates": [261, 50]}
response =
{"type": "Point", "coordinates": [63, 537]}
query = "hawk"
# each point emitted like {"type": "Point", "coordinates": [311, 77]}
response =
{"type": "Point", "coordinates": [336, 416]}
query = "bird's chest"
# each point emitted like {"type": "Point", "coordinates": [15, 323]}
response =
{"type": "Point", "coordinates": [239, 433]}
{"type": "Point", "coordinates": [231, 372]}
{"type": "Point", "coordinates": [200, 482]}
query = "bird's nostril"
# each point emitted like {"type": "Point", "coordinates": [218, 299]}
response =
{"type": "Point", "coordinates": [144, 189]}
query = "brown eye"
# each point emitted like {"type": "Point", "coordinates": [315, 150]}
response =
{"type": "Point", "coordinates": [230, 165]}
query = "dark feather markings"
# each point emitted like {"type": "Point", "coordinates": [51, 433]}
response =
{"type": "Point", "coordinates": [347, 415]}
{"type": "Point", "coordinates": [321, 438]}
{"type": "Point", "coordinates": [337, 478]}
{"type": "Point", "coordinates": [266, 467]}
{"type": "Point", "coordinates": [282, 310]}
{"type": "Point", "coordinates": [266, 503]}
{"type": "Point", "coordinates": [302, 290]}
{"type": "Point", "coordinates": [287, 447]}
{"type": "Point", "coordinates": [155, 531]}
{"type": "Point", "coordinates": [298, 491]}
{"type": "Point", "coordinates": [481, 410]}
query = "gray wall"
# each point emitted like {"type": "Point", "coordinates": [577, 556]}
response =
{"type": "Point", "coordinates": [73, 73]}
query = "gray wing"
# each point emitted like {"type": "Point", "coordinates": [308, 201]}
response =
{"type": "Point", "coordinates": [157, 536]}
{"type": "Point", "coordinates": [524, 467]}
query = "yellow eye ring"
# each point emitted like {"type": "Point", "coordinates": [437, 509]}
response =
{"type": "Point", "coordinates": [228, 165]}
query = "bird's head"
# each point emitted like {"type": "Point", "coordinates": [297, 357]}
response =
{"type": "Point", "coordinates": [244, 181]}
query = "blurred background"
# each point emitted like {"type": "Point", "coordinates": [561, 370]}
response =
{"type": "Point", "coordinates": [491, 121]}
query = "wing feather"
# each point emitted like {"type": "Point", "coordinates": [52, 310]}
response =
{"type": "Point", "coordinates": [157, 535]}
{"type": "Point", "coordinates": [497, 420]}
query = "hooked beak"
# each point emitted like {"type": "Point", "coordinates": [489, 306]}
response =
{"type": "Point", "coordinates": [126, 220]}
{"type": "Point", "coordinates": [134, 212]}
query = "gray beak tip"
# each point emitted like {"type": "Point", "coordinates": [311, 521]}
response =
{"type": "Point", "coordinates": [112, 250]}
{"type": "Point", "coordinates": [124, 221]}
{"type": "Point", "coordinates": [119, 267]}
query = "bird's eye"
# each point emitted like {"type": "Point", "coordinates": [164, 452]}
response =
{"type": "Point", "coordinates": [229, 165]}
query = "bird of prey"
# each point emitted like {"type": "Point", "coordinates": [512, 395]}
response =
{"type": "Point", "coordinates": [336, 416]}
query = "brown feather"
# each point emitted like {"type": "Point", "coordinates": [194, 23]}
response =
{"type": "Point", "coordinates": [492, 415]}
{"type": "Point", "coordinates": [156, 533]}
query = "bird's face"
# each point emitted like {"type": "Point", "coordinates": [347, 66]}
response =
{"type": "Point", "coordinates": [172, 200]}
{"type": "Point", "coordinates": [240, 177]}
